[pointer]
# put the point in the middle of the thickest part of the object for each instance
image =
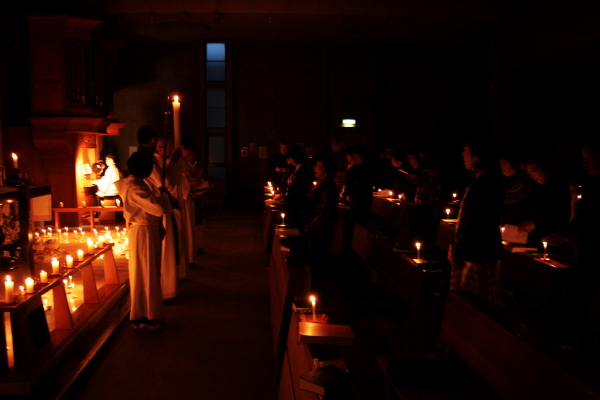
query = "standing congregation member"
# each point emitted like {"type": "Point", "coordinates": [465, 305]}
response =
{"type": "Point", "coordinates": [143, 210]}
{"type": "Point", "coordinates": [298, 185]}
{"type": "Point", "coordinates": [320, 230]}
{"type": "Point", "coordinates": [278, 164]}
{"type": "Point", "coordinates": [337, 150]}
{"type": "Point", "coordinates": [475, 254]}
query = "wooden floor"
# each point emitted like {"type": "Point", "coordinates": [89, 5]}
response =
{"type": "Point", "coordinates": [217, 342]}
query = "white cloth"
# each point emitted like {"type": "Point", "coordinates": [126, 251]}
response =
{"type": "Point", "coordinates": [106, 184]}
{"type": "Point", "coordinates": [144, 211]}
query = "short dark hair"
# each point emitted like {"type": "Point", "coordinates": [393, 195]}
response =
{"type": "Point", "coordinates": [112, 157]}
{"type": "Point", "coordinates": [483, 148]}
{"type": "Point", "coordinates": [510, 155]}
{"type": "Point", "coordinates": [296, 154]}
{"type": "Point", "coordinates": [359, 150]}
{"type": "Point", "coordinates": [146, 133]}
{"type": "Point", "coordinates": [140, 165]}
{"type": "Point", "coordinates": [187, 143]}
{"type": "Point", "coordinates": [399, 155]}
{"type": "Point", "coordinates": [329, 163]}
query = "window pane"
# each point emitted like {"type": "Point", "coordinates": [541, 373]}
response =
{"type": "Point", "coordinates": [215, 71]}
{"type": "Point", "coordinates": [215, 97]}
{"type": "Point", "coordinates": [216, 149]}
{"type": "Point", "coordinates": [215, 118]}
{"type": "Point", "coordinates": [215, 51]}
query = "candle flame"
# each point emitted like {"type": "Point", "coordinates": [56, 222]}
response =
{"type": "Point", "coordinates": [418, 245]}
{"type": "Point", "coordinates": [14, 156]}
{"type": "Point", "coordinates": [175, 99]}
{"type": "Point", "coordinates": [313, 299]}
{"type": "Point", "coordinates": [8, 278]}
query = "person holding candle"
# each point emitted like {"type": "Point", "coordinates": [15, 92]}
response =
{"type": "Point", "coordinates": [278, 164]}
{"type": "Point", "coordinates": [337, 150]}
{"type": "Point", "coordinates": [297, 187]}
{"type": "Point", "coordinates": [144, 211]}
{"type": "Point", "coordinates": [320, 230]}
{"type": "Point", "coordinates": [475, 253]}
{"type": "Point", "coordinates": [518, 189]}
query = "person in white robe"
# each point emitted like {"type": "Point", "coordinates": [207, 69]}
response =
{"type": "Point", "coordinates": [143, 210]}
{"type": "Point", "coordinates": [106, 184]}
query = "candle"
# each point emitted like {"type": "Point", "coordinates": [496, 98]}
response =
{"type": "Point", "coordinates": [102, 203]}
{"type": "Point", "coordinates": [95, 233]}
{"type": "Point", "coordinates": [83, 204]}
{"type": "Point", "coordinates": [9, 288]}
{"type": "Point", "coordinates": [391, 193]}
{"type": "Point", "coordinates": [176, 122]}
{"type": "Point", "coordinates": [66, 229]}
{"type": "Point", "coordinates": [50, 231]}
{"type": "Point", "coordinates": [418, 245]}
{"type": "Point", "coordinates": [90, 246]}
{"type": "Point", "coordinates": [66, 237]}
{"type": "Point", "coordinates": [79, 255]}
{"type": "Point", "coordinates": [454, 196]}
{"type": "Point", "coordinates": [44, 232]}
{"type": "Point", "coordinates": [314, 309]}
{"type": "Point", "coordinates": [101, 240]}
{"type": "Point", "coordinates": [545, 250]}
{"type": "Point", "coordinates": [269, 184]}
{"type": "Point", "coordinates": [448, 213]}
{"type": "Point", "coordinates": [43, 277]}
{"type": "Point", "coordinates": [61, 204]}
{"type": "Point", "coordinates": [15, 161]}
{"type": "Point", "coordinates": [71, 284]}
{"type": "Point", "coordinates": [315, 183]}
{"type": "Point", "coordinates": [29, 285]}
{"type": "Point", "coordinates": [399, 197]}
{"type": "Point", "coordinates": [118, 203]}
{"type": "Point", "coordinates": [55, 266]}
{"type": "Point", "coordinates": [69, 261]}
{"type": "Point", "coordinates": [80, 229]}
{"type": "Point", "coordinates": [22, 289]}
{"type": "Point", "coordinates": [282, 218]}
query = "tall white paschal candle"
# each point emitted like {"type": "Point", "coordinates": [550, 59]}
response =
{"type": "Point", "coordinates": [176, 122]}
{"type": "Point", "coordinates": [9, 290]}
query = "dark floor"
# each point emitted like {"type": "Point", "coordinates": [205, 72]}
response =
{"type": "Point", "coordinates": [217, 342]}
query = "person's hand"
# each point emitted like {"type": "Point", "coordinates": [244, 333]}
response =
{"type": "Point", "coordinates": [450, 258]}
{"type": "Point", "coordinates": [527, 226]}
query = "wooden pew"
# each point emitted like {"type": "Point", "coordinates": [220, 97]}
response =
{"type": "Point", "coordinates": [517, 362]}
{"type": "Point", "coordinates": [396, 215]}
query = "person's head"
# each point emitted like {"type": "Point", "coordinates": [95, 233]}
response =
{"type": "Point", "coordinates": [147, 136]}
{"type": "Point", "coordinates": [326, 166]}
{"type": "Point", "coordinates": [187, 148]}
{"type": "Point", "coordinates": [358, 154]}
{"type": "Point", "coordinates": [509, 163]}
{"type": "Point", "coordinates": [337, 144]}
{"type": "Point", "coordinates": [538, 167]}
{"type": "Point", "coordinates": [295, 155]}
{"type": "Point", "coordinates": [284, 146]}
{"type": "Point", "coordinates": [109, 160]}
{"type": "Point", "coordinates": [140, 165]}
{"type": "Point", "coordinates": [414, 158]}
{"type": "Point", "coordinates": [590, 156]}
{"type": "Point", "coordinates": [164, 148]}
{"type": "Point", "coordinates": [479, 156]}
{"type": "Point", "coordinates": [398, 158]}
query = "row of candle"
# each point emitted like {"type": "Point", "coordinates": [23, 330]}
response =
{"type": "Point", "coordinates": [84, 203]}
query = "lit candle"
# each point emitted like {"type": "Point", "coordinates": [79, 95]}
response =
{"type": "Point", "coordinates": [90, 246]}
{"type": "Point", "coordinates": [454, 196]}
{"type": "Point", "coordinates": [176, 122]}
{"type": "Point", "coordinates": [399, 197]}
{"type": "Point", "coordinates": [117, 229]}
{"type": "Point", "coordinates": [9, 290]}
{"type": "Point", "coordinates": [118, 203]}
{"type": "Point", "coordinates": [66, 229]}
{"type": "Point", "coordinates": [315, 183]}
{"type": "Point", "coordinates": [418, 245]}
{"type": "Point", "coordinates": [50, 231]}
{"type": "Point", "coordinates": [83, 204]}
{"type": "Point", "coordinates": [43, 277]}
{"type": "Point", "coordinates": [102, 203]}
{"type": "Point", "coordinates": [15, 161]}
{"type": "Point", "coordinates": [69, 261]}
{"type": "Point", "coordinates": [61, 204]}
{"type": "Point", "coordinates": [101, 240]}
{"type": "Point", "coordinates": [71, 284]}
{"type": "Point", "coordinates": [314, 309]}
{"type": "Point", "coordinates": [44, 232]}
{"type": "Point", "coordinates": [29, 285]}
{"type": "Point", "coordinates": [80, 229]}
{"type": "Point", "coordinates": [95, 233]}
{"type": "Point", "coordinates": [66, 237]}
{"type": "Point", "coordinates": [22, 289]}
{"type": "Point", "coordinates": [55, 266]}
{"type": "Point", "coordinates": [391, 193]}
{"type": "Point", "coordinates": [545, 250]}
{"type": "Point", "coordinates": [282, 218]}
{"type": "Point", "coordinates": [79, 255]}
{"type": "Point", "coordinates": [448, 213]}
{"type": "Point", "coordinates": [269, 184]}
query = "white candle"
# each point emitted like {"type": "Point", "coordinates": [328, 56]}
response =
{"type": "Point", "coordinates": [448, 213]}
{"type": "Point", "coordinates": [90, 246]}
{"type": "Point", "coordinates": [83, 203]}
{"type": "Point", "coordinates": [71, 284]}
{"type": "Point", "coordinates": [399, 197]}
{"type": "Point", "coordinates": [79, 255]}
{"type": "Point", "coordinates": [43, 277]}
{"type": "Point", "coordinates": [22, 289]}
{"type": "Point", "coordinates": [61, 204]}
{"type": "Point", "coordinates": [29, 285]}
{"type": "Point", "coordinates": [50, 231]}
{"type": "Point", "coordinates": [282, 218]}
{"type": "Point", "coordinates": [269, 184]}
{"type": "Point", "coordinates": [9, 290]}
{"type": "Point", "coordinates": [314, 309]}
{"type": "Point", "coordinates": [100, 240]}
{"type": "Point", "coordinates": [44, 232]}
{"type": "Point", "coordinates": [176, 122]}
{"type": "Point", "coordinates": [391, 193]}
{"type": "Point", "coordinates": [315, 183]}
{"type": "Point", "coordinates": [418, 245]}
{"type": "Point", "coordinates": [101, 203]}
{"type": "Point", "coordinates": [66, 237]}
{"type": "Point", "coordinates": [118, 203]}
{"type": "Point", "coordinates": [15, 161]}
{"type": "Point", "coordinates": [545, 250]}
{"type": "Point", "coordinates": [69, 261]}
{"type": "Point", "coordinates": [55, 266]}
{"type": "Point", "coordinates": [454, 196]}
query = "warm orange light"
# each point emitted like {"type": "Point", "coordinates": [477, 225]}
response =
{"type": "Point", "coordinates": [175, 99]}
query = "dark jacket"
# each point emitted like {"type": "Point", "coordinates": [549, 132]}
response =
{"type": "Point", "coordinates": [323, 208]}
{"type": "Point", "coordinates": [478, 232]}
